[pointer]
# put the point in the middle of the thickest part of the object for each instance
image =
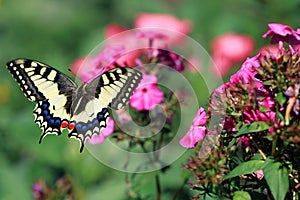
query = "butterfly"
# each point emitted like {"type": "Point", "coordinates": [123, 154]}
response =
{"type": "Point", "coordinates": [62, 104]}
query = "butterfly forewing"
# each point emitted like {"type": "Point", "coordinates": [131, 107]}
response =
{"type": "Point", "coordinates": [39, 81]}
{"type": "Point", "coordinates": [115, 87]}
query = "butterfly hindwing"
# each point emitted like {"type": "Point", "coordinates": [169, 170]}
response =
{"type": "Point", "coordinates": [115, 87]}
{"type": "Point", "coordinates": [90, 121]}
{"type": "Point", "coordinates": [52, 116]}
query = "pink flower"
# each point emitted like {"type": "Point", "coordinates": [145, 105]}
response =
{"type": "Point", "coordinates": [196, 132]}
{"type": "Point", "coordinates": [146, 96]}
{"type": "Point", "coordinates": [282, 33]}
{"type": "Point", "coordinates": [259, 174]}
{"type": "Point", "coordinates": [151, 35]}
{"type": "Point", "coordinates": [109, 129]}
{"type": "Point", "coordinates": [200, 118]}
{"type": "Point", "coordinates": [167, 58]}
{"type": "Point", "coordinates": [229, 124]}
{"type": "Point", "coordinates": [270, 51]}
{"type": "Point", "coordinates": [268, 102]}
{"type": "Point", "coordinates": [88, 68]}
{"type": "Point", "coordinates": [164, 21]}
{"type": "Point", "coordinates": [247, 72]}
{"type": "Point", "coordinates": [230, 49]}
{"type": "Point", "coordinates": [244, 141]}
{"type": "Point", "coordinates": [113, 29]}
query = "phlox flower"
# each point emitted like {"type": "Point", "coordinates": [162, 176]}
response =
{"type": "Point", "coordinates": [147, 95]}
{"type": "Point", "coordinates": [247, 72]}
{"type": "Point", "coordinates": [164, 21]}
{"type": "Point", "coordinates": [197, 130]}
{"type": "Point", "coordinates": [282, 33]}
{"type": "Point", "coordinates": [230, 49]}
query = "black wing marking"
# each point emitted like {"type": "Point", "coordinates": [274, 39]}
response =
{"type": "Point", "coordinates": [39, 81]}
{"type": "Point", "coordinates": [115, 87]}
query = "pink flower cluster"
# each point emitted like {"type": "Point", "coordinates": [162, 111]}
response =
{"type": "Point", "coordinates": [246, 75]}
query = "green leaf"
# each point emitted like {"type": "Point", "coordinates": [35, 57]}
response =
{"type": "Point", "coordinates": [277, 178]}
{"type": "Point", "coordinates": [280, 98]}
{"type": "Point", "coordinates": [246, 168]}
{"type": "Point", "coordinates": [241, 195]}
{"type": "Point", "coordinates": [253, 127]}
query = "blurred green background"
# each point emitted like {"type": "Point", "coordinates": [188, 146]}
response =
{"type": "Point", "coordinates": [59, 31]}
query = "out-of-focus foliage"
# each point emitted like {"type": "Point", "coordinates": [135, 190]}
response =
{"type": "Point", "coordinates": [59, 31]}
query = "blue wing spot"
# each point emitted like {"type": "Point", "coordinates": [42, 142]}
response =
{"type": "Point", "coordinates": [100, 116]}
{"type": "Point", "coordinates": [45, 105]}
{"type": "Point", "coordinates": [78, 126]}
{"type": "Point", "coordinates": [95, 122]}
{"type": "Point", "coordinates": [51, 121]}
{"type": "Point", "coordinates": [84, 128]}
{"type": "Point", "coordinates": [57, 122]}
{"type": "Point", "coordinates": [48, 117]}
{"type": "Point", "coordinates": [45, 112]}
{"type": "Point", "coordinates": [90, 126]}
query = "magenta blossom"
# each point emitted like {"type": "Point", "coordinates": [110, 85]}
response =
{"type": "Point", "coordinates": [108, 130]}
{"type": "Point", "coordinates": [197, 130]}
{"type": "Point", "coordinates": [146, 96]}
{"type": "Point", "coordinates": [244, 141]}
{"type": "Point", "coordinates": [168, 58]}
{"type": "Point", "coordinates": [254, 115]}
{"type": "Point", "coordinates": [247, 72]}
{"type": "Point", "coordinates": [270, 51]}
{"type": "Point", "coordinates": [282, 33]}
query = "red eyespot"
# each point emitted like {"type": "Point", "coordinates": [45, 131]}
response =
{"type": "Point", "coordinates": [64, 124]}
{"type": "Point", "coordinates": [71, 126]}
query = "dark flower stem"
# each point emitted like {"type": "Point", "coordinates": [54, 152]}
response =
{"type": "Point", "coordinates": [179, 189]}
{"type": "Point", "coordinates": [158, 187]}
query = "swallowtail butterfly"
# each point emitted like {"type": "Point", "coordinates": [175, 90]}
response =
{"type": "Point", "coordinates": [61, 103]}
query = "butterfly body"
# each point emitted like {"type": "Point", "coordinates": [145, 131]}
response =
{"type": "Point", "coordinates": [62, 104]}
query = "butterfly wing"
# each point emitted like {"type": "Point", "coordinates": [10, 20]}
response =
{"type": "Point", "coordinates": [89, 121]}
{"type": "Point", "coordinates": [112, 89]}
{"type": "Point", "coordinates": [51, 89]}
